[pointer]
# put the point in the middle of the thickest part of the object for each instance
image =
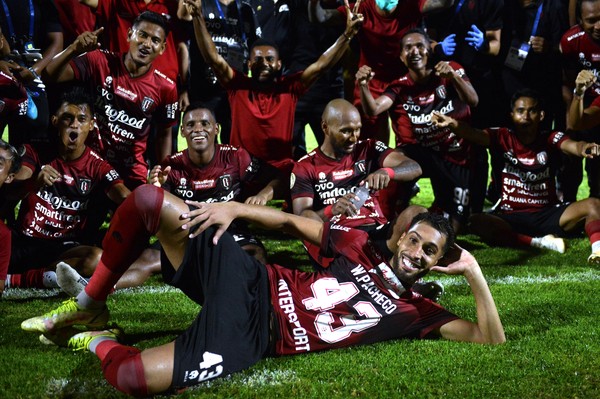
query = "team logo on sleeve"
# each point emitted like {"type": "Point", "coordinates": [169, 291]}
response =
{"type": "Point", "coordinates": [147, 103]}
{"type": "Point", "coordinates": [85, 185]}
{"type": "Point", "coordinates": [292, 180]}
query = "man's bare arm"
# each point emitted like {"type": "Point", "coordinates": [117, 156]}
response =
{"type": "Point", "coordinates": [58, 69]}
{"type": "Point", "coordinates": [221, 214]}
{"type": "Point", "coordinates": [219, 65]}
{"type": "Point", "coordinates": [488, 329]}
{"type": "Point", "coordinates": [461, 129]}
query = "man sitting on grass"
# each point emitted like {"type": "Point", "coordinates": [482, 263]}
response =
{"type": "Point", "coordinates": [250, 310]}
{"type": "Point", "coordinates": [529, 213]}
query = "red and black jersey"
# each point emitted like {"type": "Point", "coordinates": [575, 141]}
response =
{"type": "Point", "coordinates": [325, 180]}
{"type": "Point", "coordinates": [580, 51]}
{"type": "Point", "coordinates": [349, 303]}
{"type": "Point", "coordinates": [414, 103]}
{"type": "Point", "coordinates": [528, 174]}
{"type": "Point", "coordinates": [263, 118]}
{"type": "Point", "coordinates": [125, 108]}
{"type": "Point", "coordinates": [60, 211]}
{"type": "Point", "coordinates": [13, 98]}
{"type": "Point", "coordinates": [219, 181]}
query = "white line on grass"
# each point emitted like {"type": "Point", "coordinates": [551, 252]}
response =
{"type": "Point", "coordinates": [590, 275]}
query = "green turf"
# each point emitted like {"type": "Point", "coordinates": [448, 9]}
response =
{"type": "Point", "coordinates": [548, 303]}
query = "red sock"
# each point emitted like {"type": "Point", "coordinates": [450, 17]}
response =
{"type": "Point", "coordinates": [132, 225]}
{"type": "Point", "coordinates": [123, 369]}
{"type": "Point", "coordinates": [30, 279]}
{"type": "Point", "coordinates": [522, 239]}
{"type": "Point", "coordinates": [592, 229]}
{"type": "Point", "coordinates": [5, 239]}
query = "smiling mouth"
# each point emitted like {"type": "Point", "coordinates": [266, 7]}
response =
{"type": "Point", "coordinates": [409, 265]}
{"type": "Point", "coordinates": [144, 52]}
{"type": "Point", "coordinates": [199, 137]}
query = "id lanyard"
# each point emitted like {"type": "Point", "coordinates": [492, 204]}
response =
{"type": "Point", "coordinates": [538, 16]}
{"type": "Point", "coordinates": [237, 3]}
{"type": "Point", "coordinates": [11, 29]}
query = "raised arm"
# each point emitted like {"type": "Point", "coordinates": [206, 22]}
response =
{"type": "Point", "coordinates": [372, 106]}
{"type": "Point", "coordinates": [59, 70]}
{"type": "Point", "coordinates": [331, 17]}
{"type": "Point", "coordinates": [476, 136]}
{"type": "Point", "coordinates": [223, 213]}
{"type": "Point", "coordinates": [219, 65]}
{"type": "Point", "coordinates": [578, 117]}
{"type": "Point", "coordinates": [334, 53]}
{"type": "Point", "coordinates": [464, 88]}
{"type": "Point", "coordinates": [488, 329]}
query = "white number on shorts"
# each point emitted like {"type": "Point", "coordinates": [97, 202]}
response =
{"type": "Point", "coordinates": [328, 292]}
{"type": "Point", "coordinates": [461, 196]}
{"type": "Point", "coordinates": [209, 360]}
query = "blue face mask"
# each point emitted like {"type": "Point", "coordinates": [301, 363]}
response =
{"type": "Point", "coordinates": [386, 5]}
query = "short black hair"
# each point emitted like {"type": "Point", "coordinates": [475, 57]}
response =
{"type": "Point", "coordinates": [438, 222]}
{"type": "Point", "coordinates": [529, 93]}
{"type": "Point", "coordinates": [265, 42]}
{"type": "Point", "coordinates": [15, 158]}
{"type": "Point", "coordinates": [420, 32]}
{"type": "Point", "coordinates": [153, 18]}
{"type": "Point", "coordinates": [199, 105]}
{"type": "Point", "coordinates": [77, 96]}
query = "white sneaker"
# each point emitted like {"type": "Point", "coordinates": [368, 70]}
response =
{"type": "Point", "coordinates": [69, 280]}
{"type": "Point", "coordinates": [550, 242]}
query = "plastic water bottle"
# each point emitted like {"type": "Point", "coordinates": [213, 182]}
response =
{"type": "Point", "coordinates": [362, 192]}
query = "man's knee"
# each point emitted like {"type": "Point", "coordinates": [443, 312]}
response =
{"type": "Point", "coordinates": [123, 369]}
{"type": "Point", "coordinates": [148, 201]}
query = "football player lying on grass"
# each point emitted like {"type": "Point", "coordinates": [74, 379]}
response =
{"type": "Point", "coordinates": [250, 310]}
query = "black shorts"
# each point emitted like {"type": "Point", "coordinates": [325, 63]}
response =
{"type": "Point", "coordinates": [243, 236]}
{"type": "Point", "coordinates": [231, 333]}
{"type": "Point", "coordinates": [450, 182]}
{"type": "Point", "coordinates": [29, 253]}
{"type": "Point", "coordinates": [537, 224]}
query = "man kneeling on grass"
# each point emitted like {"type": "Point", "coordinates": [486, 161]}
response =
{"type": "Point", "coordinates": [250, 310]}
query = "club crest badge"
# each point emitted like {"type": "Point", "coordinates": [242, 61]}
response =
{"type": "Point", "coordinates": [147, 103]}
{"type": "Point", "coordinates": [85, 186]}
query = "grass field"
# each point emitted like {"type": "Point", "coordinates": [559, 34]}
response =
{"type": "Point", "coordinates": [548, 302]}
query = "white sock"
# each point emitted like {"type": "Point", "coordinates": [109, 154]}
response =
{"type": "Point", "coordinates": [49, 280]}
{"type": "Point", "coordinates": [596, 246]}
{"type": "Point", "coordinates": [536, 242]}
{"type": "Point", "coordinates": [87, 302]}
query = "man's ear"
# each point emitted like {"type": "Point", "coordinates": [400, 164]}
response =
{"type": "Point", "coordinates": [54, 120]}
{"type": "Point", "coordinates": [542, 115]}
{"type": "Point", "coordinates": [9, 178]}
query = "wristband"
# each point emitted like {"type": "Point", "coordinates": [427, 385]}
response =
{"type": "Point", "coordinates": [575, 94]}
{"type": "Point", "coordinates": [390, 172]}
{"type": "Point", "coordinates": [346, 36]}
{"type": "Point", "coordinates": [34, 73]}
{"type": "Point", "coordinates": [327, 211]}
